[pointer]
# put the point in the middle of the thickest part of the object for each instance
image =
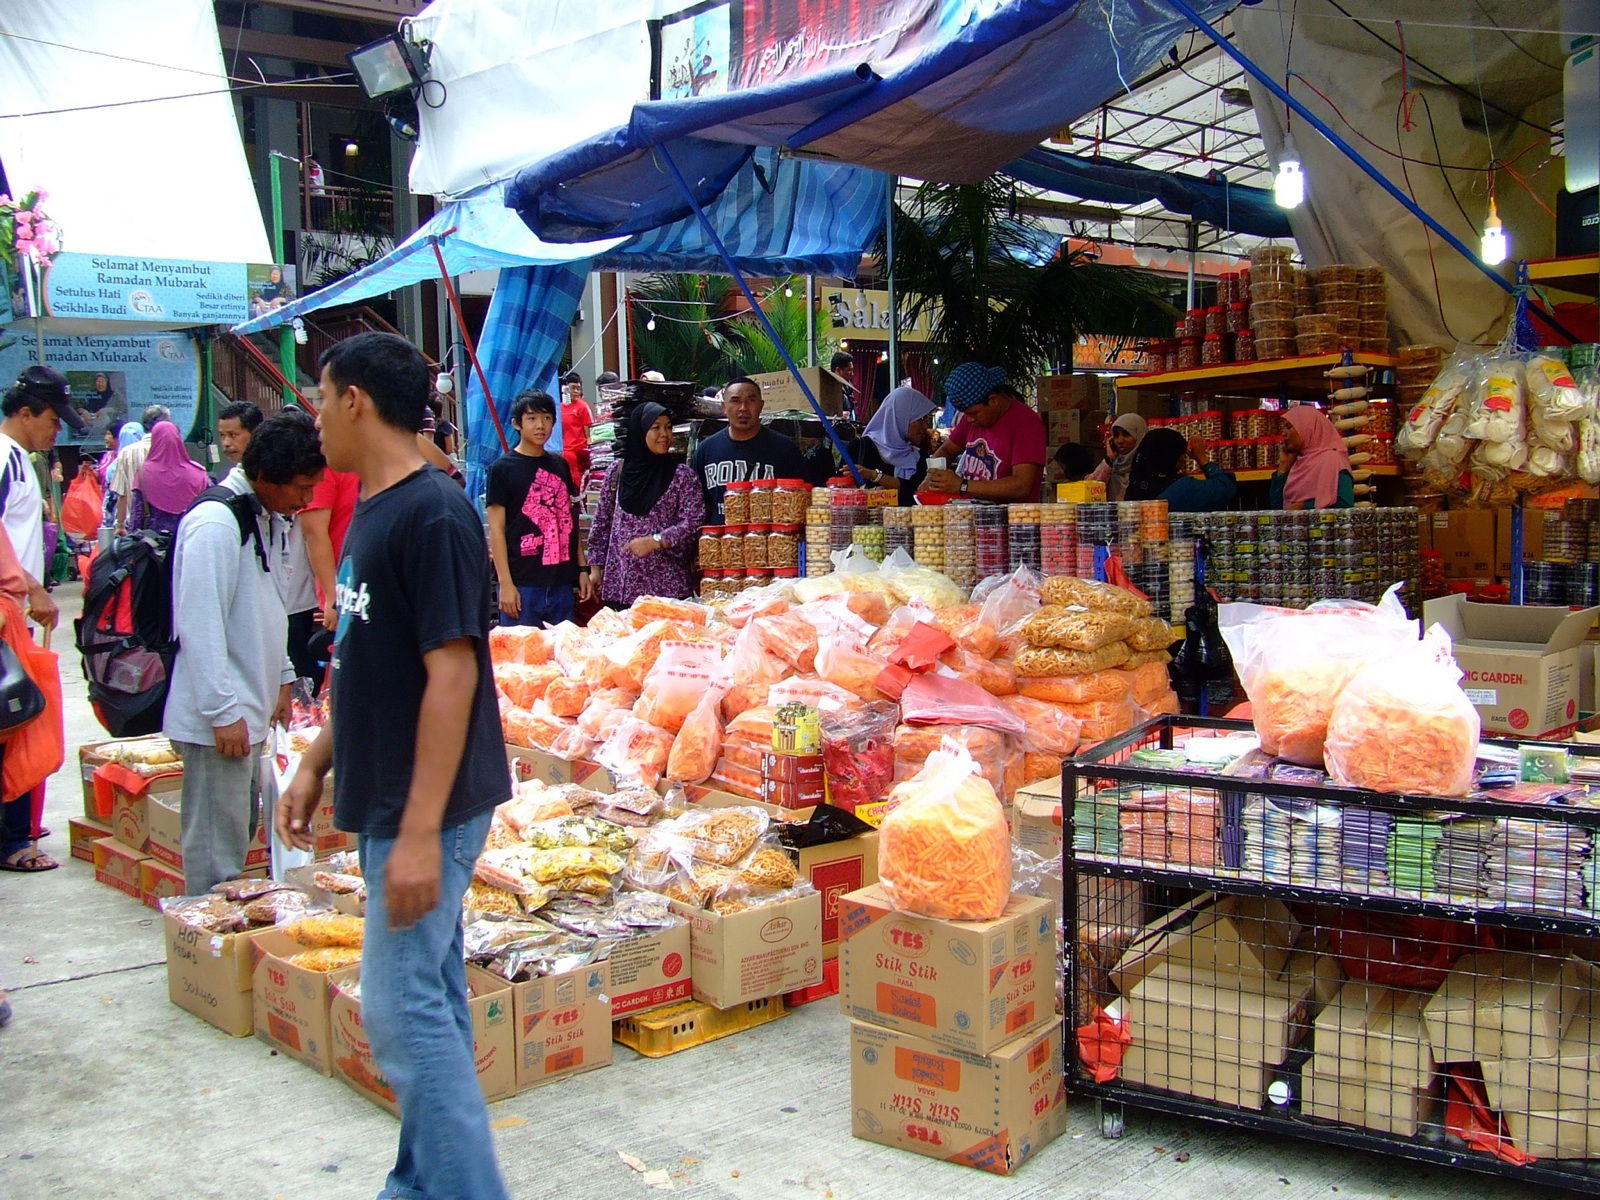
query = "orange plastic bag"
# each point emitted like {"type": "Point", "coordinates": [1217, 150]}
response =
{"type": "Point", "coordinates": [846, 664]}
{"type": "Point", "coordinates": [600, 716]}
{"type": "Point", "coordinates": [699, 743]}
{"type": "Point", "coordinates": [34, 751]}
{"type": "Point", "coordinates": [632, 658]}
{"type": "Point", "coordinates": [995, 678]}
{"type": "Point", "coordinates": [683, 673]}
{"type": "Point", "coordinates": [790, 637]}
{"type": "Point", "coordinates": [1036, 767]}
{"type": "Point", "coordinates": [944, 849]}
{"type": "Point", "coordinates": [1110, 684]}
{"type": "Point", "coordinates": [83, 507]}
{"type": "Point", "coordinates": [567, 697]}
{"type": "Point", "coordinates": [519, 644]}
{"type": "Point", "coordinates": [662, 608]}
{"type": "Point", "coordinates": [523, 684]}
{"type": "Point", "coordinates": [999, 755]}
{"type": "Point", "coordinates": [637, 751]}
{"type": "Point", "coordinates": [965, 623]}
{"type": "Point", "coordinates": [1145, 682]}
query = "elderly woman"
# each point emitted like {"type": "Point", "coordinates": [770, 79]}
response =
{"type": "Point", "coordinates": [1127, 431]}
{"type": "Point", "coordinates": [894, 444]}
{"type": "Point", "coordinates": [1158, 474]}
{"type": "Point", "coordinates": [1314, 468]}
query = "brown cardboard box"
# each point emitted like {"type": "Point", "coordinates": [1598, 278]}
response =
{"type": "Point", "coordinates": [489, 1004]}
{"type": "Point", "coordinates": [1230, 935]}
{"type": "Point", "coordinates": [164, 829]}
{"type": "Point", "coordinates": [292, 1003]}
{"type": "Point", "coordinates": [1247, 1019]}
{"type": "Point", "coordinates": [1532, 541]}
{"type": "Point", "coordinates": [1036, 826]}
{"type": "Point", "coordinates": [130, 818]}
{"type": "Point", "coordinates": [527, 763]}
{"type": "Point", "coordinates": [1062, 393]}
{"type": "Point", "coordinates": [835, 870]}
{"type": "Point", "coordinates": [90, 756]}
{"type": "Point", "coordinates": [1466, 540]}
{"type": "Point", "coordinates": [968, 985]}
{"type": "Point", "coordinates": [763, 951]}
{"type": "Point", "coordinates": [1520, 663]}
{"type": "Point", "coordinates": [157, 881]}
{"type": "Point", "coordinates": [1376, 1033]}
{"type": "Point", "coordinates": [82, 833]}
{"type": "Point", "coordinates": [209, 975]}
{"type": "Point", "coordinates": [1567, 1079]}
{"type": "Point", "coordinates": [117, 865]}
{"type": "Point", "coordinates": [562, 1024]}
{"type": "Point", "coordinates": [650, 970]}
{"type": "Point", "coordinates": [990, 1112]}
{"type": "Point", "coordinates": [1209, 1076]}
{"type": "Point", "coordinates": [1569, 1133]}
{"type": "Point", "coordinates": [710, 797]}
{"type": "Point", "coordinates": [1504, 1005]}
{"type": "Point", "coordinates": [1363, 1100]}
{"type": "Point", "coordinates": [780, 393]}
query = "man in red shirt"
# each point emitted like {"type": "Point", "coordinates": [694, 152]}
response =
{"type": "Point", "coordinates": [998, 444]}
{"type": "Point", "coordinates": [324, 522]}
{"type": "Point", "coordinates": [576, 418]}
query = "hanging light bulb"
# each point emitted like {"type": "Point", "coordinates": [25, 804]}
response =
{"type": "Point", "coordinates": [787, 290]}
{"type": "Point", "coordinates": [1495, 246]}
{"type": "Point", "coordinates": [651, 324]}
{"type": "Point", "coordinates": [1289, 188]}
{"type": "Point", "coordinates": [844, 345]}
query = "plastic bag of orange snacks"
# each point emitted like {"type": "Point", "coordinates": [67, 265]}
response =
{"type": "Point", "coordinates": [789, 637]}
{"type": "Point", "coordinates": [522, 684]}
{"type": "Point", "coordinates": [699, 743]}
{"type": "Point", "coordinates": [682, 674]}
{"type": "Point", "coordinates": [844, 662]}
{"type": "Point", "coordinates": [1403, 724]}
{"type": "Point", "coordinates": [944, 850]}
{"type": "Point", "coordinates": [519, 644]}
{"type": "Point", "coordinates": [567, 697]}
{"type": "Point", "coordinates": [636, 750]}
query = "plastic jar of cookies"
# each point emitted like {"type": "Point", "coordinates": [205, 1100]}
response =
{"type": "Point", "coordinates": [711, 548]}
{"type": "Point", "coordinates": [1244, 345]}
{"type": "Point", "coordinates": [761, 492]}
{"type": "Point", "coordinates": [736, 504]}
{"type": "Point", "coordinates": [1188, 353]}
{"type": "Point", "coordinates": [790, 500]}
{"type": "Point", "coordinates": [783, 546]}
{"type": "Point", "coordinates": [731, 554]}
{"type": "Point", "coordinates": [1212, 352]}
{"type": "Point", "coordinates": [1216, 320]}
{"type": "Point", "coordinates": [755, 546]}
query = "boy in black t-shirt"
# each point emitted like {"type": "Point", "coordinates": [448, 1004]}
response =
{"type": "Point", "coordinates": [533, 526]}
{"type": "Point", "coordinates": [415, 729]}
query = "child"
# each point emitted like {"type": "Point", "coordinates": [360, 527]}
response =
{"type": "Point", "coordinates": [533, 528]}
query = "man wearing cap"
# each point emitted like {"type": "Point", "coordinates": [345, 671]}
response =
{"type": "Point", "coordinates": [33, 411]}
{"type": "Point", "coordinates": [998, 443]}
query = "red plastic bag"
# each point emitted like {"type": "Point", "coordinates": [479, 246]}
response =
{"type": "Point", "coordinates": [83, 507]}
{"type": "Point", "coordinates": [1102, 1043]}
{"type": "Point", "coordinates": [948, 700]}
{"type": "Point", "coordinates": [34, 751]}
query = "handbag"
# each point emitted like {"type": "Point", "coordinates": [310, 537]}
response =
{"type": "Point", "coordinates": [21, 700]}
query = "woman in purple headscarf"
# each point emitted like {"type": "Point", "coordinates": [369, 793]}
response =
{"type": "Point", "coordinates": [168, 482]}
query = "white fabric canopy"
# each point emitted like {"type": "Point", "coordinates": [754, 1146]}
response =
{"type": "Point", "coordinates": [161, 178]}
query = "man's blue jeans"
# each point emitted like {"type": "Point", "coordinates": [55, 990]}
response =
{"type": "Point", "coordinates": [546, 606]}
{"type": "Point", "coordinates": [414, 1008]}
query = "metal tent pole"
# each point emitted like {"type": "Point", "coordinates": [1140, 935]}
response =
{"type": "Point", "coordinates": [894, 305]}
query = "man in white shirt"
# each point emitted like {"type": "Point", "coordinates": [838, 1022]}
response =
{"type": "Point", "coordinates": [125, 470]}
{"type": "Point", "coordinates": [33, 411]}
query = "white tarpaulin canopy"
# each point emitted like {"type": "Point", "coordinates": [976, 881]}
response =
{"type": "Point", "coordinates": [89, 115]}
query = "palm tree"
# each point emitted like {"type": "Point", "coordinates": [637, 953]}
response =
{"type": "Point", "coordinates": [1000, 290]}
{"type": "Point", "coordinates": [746, 342]}
{"type": "Point", "coordinates": [683, 309]}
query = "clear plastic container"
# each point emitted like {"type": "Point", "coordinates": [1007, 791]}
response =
{"type": "Point", "coordinates": [736, 504]}
{"type": "Point", "coordinates": [790, 500]}
{"type": "Point", "coordinates": [732, 539]}
{"type": "Point", "coordinates": [711, 548]}
{"type": "Point", "coordinates": [783, 546]}
{"type": "Point", "coordinates": [761, 492]}
{"type": "Point", "coordinates": [755, 546]}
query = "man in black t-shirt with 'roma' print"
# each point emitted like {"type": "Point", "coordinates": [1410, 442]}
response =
{"type": "Point", "coordinates": [744, 450]}
{"type": "Point", "coordinates": [415, 731]}
{"type": "Point", "coordinates": [533, 525]}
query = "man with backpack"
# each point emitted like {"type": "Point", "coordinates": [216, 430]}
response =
{"type": "Point", "coordinates": [231, 676]}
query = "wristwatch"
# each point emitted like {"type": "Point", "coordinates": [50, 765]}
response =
{"type": "Point", "coordinates": [964, 487]}
{"type": "Point", "coordinates": [660, 541]}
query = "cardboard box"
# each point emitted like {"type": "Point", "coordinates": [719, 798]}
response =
{"type": "Point", "coordinates": [1520, 664]}
{"type": "Point", "coordinates": [967, 985]}
{"type": "Point", "coordinates": [1376, 1034]}
{"type": "Point", "coordinates": [164, 825]}
{"type": "Point", "coordinates": [1466, 540]}
{"type": "Point", "coordinates": [1570, 1133]}
{"type": "Point", "coordinates": [1532, 541]}
{"type": "Point", "coordinates": [1240, 1084]}
{"type": "Point", "coordinates": [1568, 1079]}
{"type": "Point", "coordinates": [528, 763]}
{"type": "Point", "coordinates": [291, 1003]}
{"type": "Point", "coordinates": [1504, 1005]}
{"type": "Point", "coordinates": [562, 1024]}
{"type": "Point", "coordinates": [90, 756]}
{"type": "Point", "coordinates": [130, 817]}
{"type": "Point", "coordinates": [1237, 1018]}
{"type": "Point", "coordinates": [489, 1004]}
{"type": "Point", "coordinates": [836, 870]}
{"type": "Point", "coordinates": [157, 881]}
{"type": "Point", "coordinates": [1065, 426]}
{"type": "Point", "coordinates": [781, 393]}
{"type": "Point", "coordinates": [763, 951]}
{"type": "Point", "coordinates": [82, 832]}
{"type": "Point", "coordinates": [209, 975]}
{"type": "Point", "coordinates": [117, 865]}
{"type": "Point", "coordinates": [1231, 935]}
{"type": "Point", "coordinates": [703, 796]}
{"type": "Point", "coordinates": [1363, 1100]}
{"type": "Point", "coordinates": [1064, 393]}
{"type": "Point", "coordinates": [991, 1112]}
{"type": "Point", "coordinates": [650, 970]}
{"type": "Point", "coordinates": [1085, 491]}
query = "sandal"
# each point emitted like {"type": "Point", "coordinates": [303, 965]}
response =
{"type": "Point", "coordinates": [5, 1010]}
{"type": "Point", "coordinates": [28, 860]}
{"type": "Point", "coordinates": [42, 833]}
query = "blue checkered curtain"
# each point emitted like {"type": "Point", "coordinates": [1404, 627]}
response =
{"type": "Point", "coordinates": [523, 340]}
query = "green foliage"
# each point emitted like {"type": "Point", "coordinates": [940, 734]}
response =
{"type": "Point", "coordinates": [961, 252]}
{"type": "Point", "coordinates": [696, 339]}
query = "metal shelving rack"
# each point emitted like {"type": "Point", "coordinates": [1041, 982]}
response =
{"type": "Point", "coordinates": [1166, 885]}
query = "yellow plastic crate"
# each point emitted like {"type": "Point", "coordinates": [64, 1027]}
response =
{"type": "Point", "coordinates": [690, 1023]}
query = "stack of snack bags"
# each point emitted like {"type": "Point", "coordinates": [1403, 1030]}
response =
{"type": "Point", "coordinates": [722, 859]}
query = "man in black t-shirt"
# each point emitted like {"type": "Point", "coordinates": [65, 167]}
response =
{"type": "Point", "coordinates": [415, 730]}
{"type": "Point", "coordinates": [533, 527]}
{"type": "Point", "coordinates": [744, 450]}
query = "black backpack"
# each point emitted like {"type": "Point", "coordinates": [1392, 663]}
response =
{"type": "Point", "coordinates": [125, 634]}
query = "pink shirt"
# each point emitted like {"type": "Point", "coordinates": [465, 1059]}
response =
{"type": "Point", "coordinates": [994, 453]}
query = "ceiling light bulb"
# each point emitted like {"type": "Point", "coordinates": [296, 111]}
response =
{"type": "Point", "coordinates": [787, 290]}
{"type": "Point", "coordinates": [351, 149]}
{"type": "Point", "coordinates": [844, 345]}
{"type": "Point", "coordinates": [1495, 246]}
{"type": "Point", "coordinates": [1289, 188]}
{"type": "Point", "coordinates": [650, 324]}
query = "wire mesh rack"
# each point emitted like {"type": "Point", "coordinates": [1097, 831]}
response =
{"type": "Point", "coordinates": [1250, 943]}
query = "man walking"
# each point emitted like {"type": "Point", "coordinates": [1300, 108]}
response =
{"type": "Point", "coordinates": [416, 735]}
{"type": "Point", "coordinates": [231, 676]}
{"type": "Point", "coordinates": [235, 423]}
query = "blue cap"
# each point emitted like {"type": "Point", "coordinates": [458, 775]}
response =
{"type": "Point", "coordinates": [971, 383]}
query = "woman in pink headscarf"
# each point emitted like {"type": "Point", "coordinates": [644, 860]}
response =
{"type": "Point", "coordinates": [1314, 469]}
{"type": "Point", "coordinates": [168, 482]}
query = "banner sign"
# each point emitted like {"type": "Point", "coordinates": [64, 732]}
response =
{"type": "Point", "coordinates": [110, 287]}
{"type": "Point", "coordinates": [112, 378]}
{"type": "Point", "coordinates": [1109, 352]}
{"type": "Point", "coordinates": [862, 313]}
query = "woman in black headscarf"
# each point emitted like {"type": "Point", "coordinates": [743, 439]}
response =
{"type": "Point", "coordinates": [1157, 474]}
{"type": "Point", "coordinates": [648, 519]}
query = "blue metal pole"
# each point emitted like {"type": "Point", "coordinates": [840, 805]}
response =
{"type": "Point", "coordinates": [1349, 151]}
{"type": "Point", "coordinates": [755, 307]}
